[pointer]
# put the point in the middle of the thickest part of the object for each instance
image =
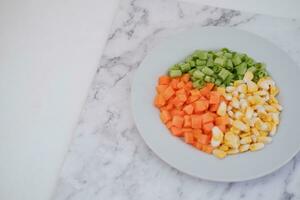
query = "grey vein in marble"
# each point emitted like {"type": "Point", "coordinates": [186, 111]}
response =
{"type": "Point", "coordinates": [108, 160]}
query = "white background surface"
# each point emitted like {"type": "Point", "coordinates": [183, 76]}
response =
{"type": "Point", "coordinates": [49, 52]}
{"type": "Point", "coordinates": [278, 8]}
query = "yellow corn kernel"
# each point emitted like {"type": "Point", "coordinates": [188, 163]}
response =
{"type": "Point", "coordinates": [272, 100]}
{"type": "Point", "coordinates": [256, 146]}
{"type": "Point", "coordinates": [235, 93]}
{"type": "Point", "coordinates": [235, 103]}
{"type": "Point", "coordinates": [248, 76]}
{"type": "Point", "coordinates": [265, 83]}
{"type": "Point", "coordinates": [273, 130]}
{"type": "Point", "coordinates": [270, 108]}
{"type": "Point", "coordinates": [244, 147]}
{"type": "Point", "coordinates": [263, 133]}
{"type": "Point", "coordinates": [251, 87]}
{"type": "Point", "coordinates": [232, 151]}
{"type": "Point", "coordinates": [255, 100]}
{"type": "Point", "coordinates": [219, 153]}
{"type": "Point", "coordinates": [274, 90]}
{"type": "Point", "coordinates": [249, 113]}
{"type": "Point", "coordinates": [230, 113]}
{"type": "Point", "coordinates": [237, 83]}
{"type": "Point", "coordinates": [275, 117]}
{"type": "Point", "coordinates": [221, 90]}
{"type": "Point", "coordinates": [240, 125]}
{"type": "Point", "coordinates": [277, 106]}
{"type": "Point", "coordinates": [232, 140]}
{"type": "Point", "coordinates": [246, 140]}
{"type": "Point", "coordinates": [243, 104]}
{"type": "Point", "coordinates": [230, 89]}
{"type": "Point", "coordinates": [217, 137]}
{"type": "Point", "coordinates": [222, 109]}
{"type": "Point", "coordinates": [262, 93]}
{"type": "Point", "coordinates": [265, 117]}
{"type": "Point", "coordinates": [264, 139]}
{"type": "Point", "coordinates": [242, 88]}
{"type": "Point", "coordinates": [235, 130]}
{"type": "Point", "coordinates": [254, 138]}
{"type": "Point", "coordinates": [246, 121]}
{"type": "Point", "coordinates": [224, 147]}
{"type": "Point", "coordinates": [238, 115]}
{"type": "Point", "coordinates": [243, 135]}
{"type": "Point", "coordinates": [228, 96]}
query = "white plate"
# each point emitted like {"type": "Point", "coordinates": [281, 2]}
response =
{"type": "Point", "coordinates": [184, 157]}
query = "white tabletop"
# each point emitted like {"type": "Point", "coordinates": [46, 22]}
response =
{"type": "Point", "coordinates": [48, 56]}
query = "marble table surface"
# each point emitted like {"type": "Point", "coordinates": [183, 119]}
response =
{"type": "Point", "coordinates": [108, 159]}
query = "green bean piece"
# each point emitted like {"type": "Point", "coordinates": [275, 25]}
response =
{"type": "Point", "coordinates": [224, 73]}
{"type": "Point", "coordinates": [185, 67]}
{"type": "Point", "coordinates": [198, 74]}
{"type": "Point", "coordinates": [241, 68]}
{"type": "Point", "coordinates": [207, 71]}
{"type": "Point", "coordinates": [175, 73]}
{"type": "Point", "coordinates": [220, 61]}
{"type": "Point", "coordinates": [198, 84]}
{"type": "Point", "coordinates": [236, 60]}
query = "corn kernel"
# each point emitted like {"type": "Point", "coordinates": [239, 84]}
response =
{"type": "Point", "coordinates": [256, 146]}
{"type": "Point", "coordinates": [251, 86]}
{"type": "Point", "coordinates": [246, 140]}
{"type": "Point", "coordinates": [232, 140]}
{"type": "Point", "coordinates": [277, 106]}
{"type": "Point", "coordinates": [232, 151]}
{"type": "Point", "coordinates": [234, 129]}
{"type": "Point", "coordinates": [275, 117]}
{"type": "Point", "coordinates": [273, 130]}
{"type": "Point", "coordinates": [242, 88]}
{"type": "Point", "coordinates": [272, 99]}
{"type": "Point", "coordinates": [265, 117]}
{"type": "Point", "coordinates": [221, 90]}
{"type": "Point", "coordinates": [240, 125]}
{"type": "Point", "coordinates": [222, 109]}
{"type": "Point", "coordinates": [274, 90]}
{"type": "Point", "coordinates": [270, 108]}
{"type": "Point", "coordinates": [235, 103]}
{"type": "Point", "coordinates": [219, 153]}
{"type": "Point", "coordinates": [228, 96]}
{"type": "Point", "coordinates": [249, 113]}
{"type": "Point", "coordinates": [243, 135]}
{"type": "Point", "coordinates": [238, 115]}
{"type": "Point", "coordinates": [262, 93]}
{"type": "Point", "coordinates": [264, 139]}
{"type": "Point", "coordinates": [230, 113]}
{"type": "Point", "coordinates": [244, 147]}
{"type": "Point", "coordinates": [230, 89]}
{"type": "Point", "coordinates": [263, 133]}
{"type": "Point", "coordinates": [237, 83]}
{"type": "Point", "coordinates": [224, 147]}
{"type": "Point", "coordinates": [248, 76]}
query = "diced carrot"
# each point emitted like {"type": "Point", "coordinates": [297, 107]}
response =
{"type": "Point", "coordinates": [222, 127]}
{"type": "Point", "coordinates": [182, 97]}
{"type": "Point", "coordinates": [161, 88]}
{"type": "Point", "coordinates": [179, 106]}
{"type": "Point", "coordinates": [185, 78]}
{"type": "Point", "coordinates": [169, 124]}
{"type": "Point", "coordinates": [159, 101]}
{"type": "Point", "coordinates": [164, 80]}
{"type": "Point", "coordinates": [187, 129]}
{"type": "Point", "coordinates": [199, 146]}
{"type": "Point", "coordinates": [169, 106]}
{"type": "Point", "coordinates": [180, 91]}
{"type": "Point", "coordinates": [176, 131]}
{"type": "Point", "coordinates": [204, 139]}
{"type": "Point", "coordinates": [201, 106]}
{"type": "Point", "coordinates": [177, 121]}
{"type": "Point", "coordinates": [207, 117]}
{"type": "Point", "coordinates": [188, 109]}
{"type": "Point", "coordinates": [177, 112]}
{"type": "Point", "coordinates": [197, 131]}
{"type": "Point", "coordinates": [206, 90]}
{"type": "Point", "coordinates": [222, 120]}
{"type": "Point", "coordinates": [195, 92]}
{"type": "Point", "coordinates": [207, 149]}
{"type": "Point", "coordinates": [188, 86]}
{"type": "Point", "coordinates": [189, 137]}
{"type": "Point", "coordinates": [214, 97]}
{"type": "Point", "coordinates": [213, 107]}
{"type": "Point", "coordinates": [174, 83]}
{"type": "Point", "coordinates": [192, 99]}
{"type": "Point", "coordinates": [207, 127]}
{"type": "Point", "coordinates": [180, 85]}
{"type": "Point", "coordinates": [165, 116]}
{"type": "Point", "coordinates": [168, 93]}
{"type": "Point", "coordinates": [176, 101]}
{"type": "Point", "coordinates": [187, 121]}
{"type": "Point", "coordinates": [196, 121]}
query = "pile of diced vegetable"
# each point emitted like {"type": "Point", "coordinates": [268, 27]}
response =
{"type": "Point", "coordinates": [221, 67]}
{"type": "Point", "coordinates": [221, 102]}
